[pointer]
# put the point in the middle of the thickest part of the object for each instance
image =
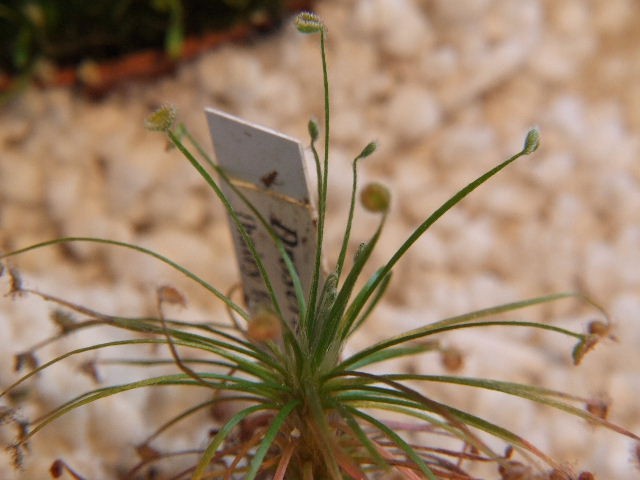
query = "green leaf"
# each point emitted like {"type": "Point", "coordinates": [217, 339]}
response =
{"type": "Point", "coordinates": [390, 353]}
{"type": "Point", "coordinates": [435, 216]}
{"type": "Point", "coordinates": [269, 437]}
{"type": "Point", "coordinates": [355, 315]}
{"type": "Point", "coordinates": [222, 434]}
{"type": "Point", "coordinates": [469, 319]}
{"type": "Point", "coordinates": [397, 440]}
{"type": "Point", "coordinates": [143, 250]}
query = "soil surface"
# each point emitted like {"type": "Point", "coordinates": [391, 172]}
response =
{"type": "Point", "coordinates": [448, 90]}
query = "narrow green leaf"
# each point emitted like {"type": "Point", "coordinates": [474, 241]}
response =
{"type": "Point", "coordinates": [229, 383]}
{"type": "Point", "coordinates": [532, 393]}
{"type": "Point", "coordinates": [330, 333]}
{"type": "Point", "coordinates": [449, 323]}
{"type": "Point", "coordinates": [390, 353]}
{"type": "Point", "coordinates": [363, 437]}
{"type": "Point", "coordinates": [395, 438]}
{"type": "Point", "coordinates": [222, 434]}
{"type": "Point", "coordinates": [355, 316]}
{"type": "Point", "coordinates": [435, 216]}
{"type": "Point", "coordinates": [143, 250]}
{"type": "Point", "coordinates": [274, 429]}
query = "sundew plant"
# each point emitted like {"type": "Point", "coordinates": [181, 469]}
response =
{"type": "Point", "coordinates": [308, 411]}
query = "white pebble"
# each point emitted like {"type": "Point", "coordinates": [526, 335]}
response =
{"type": "Point", "coordinates": [21, 180]}
{"type": "Point", "coordinates": [413, 113]}
{"type": "Point", "coordinates": [399, 26]}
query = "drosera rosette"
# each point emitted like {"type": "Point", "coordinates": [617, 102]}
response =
{"type": "Point", "coordinates": [303, 409]}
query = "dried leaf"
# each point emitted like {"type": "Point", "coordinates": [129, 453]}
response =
{"type": "Point", "coordinates": [452, 359]}
{"type": "Point", "coordinates": [64, 320]}
{"type": "Point", "coordinates": [584, 346]}
{"type": "Point", "coordinates": [15, 282]}
{"type": "Point", "coordinates": [57, 468]}
{"type": "Point", "coordinates": [171, 295]}
{"type": "Point", "coordinates": [598, 407]}
{"type": "Point", "coordinates": [89, 368]}
{"type": "Point", "coordinates": [25, 359]}
{"type": "Point", "coordinates": [147, 452]}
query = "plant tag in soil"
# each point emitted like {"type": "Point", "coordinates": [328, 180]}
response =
{"type": "Point", "coordinates": [269, 169]}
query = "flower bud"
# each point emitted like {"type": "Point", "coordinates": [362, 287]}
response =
{"type": "Point", "coordinates": [359, 252]}
{"type": "Point", "coordinates": [375, 197]}
{"type": "Point", "coordinates": [307, 22]}
{"type": "Point", "coordinates": [161, 120]}
{"type": "Point", "coordinates": [368, 150]}
{"type": "Point", "coordinates": [313, 130]}
{"type": "Point", "coordinates": [532, 142]}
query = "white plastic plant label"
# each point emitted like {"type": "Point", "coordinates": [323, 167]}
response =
{"type": "Point", "coordinates": [269, 169]}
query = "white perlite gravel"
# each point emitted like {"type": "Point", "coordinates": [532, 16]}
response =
{"type": "Point", "coordinates": [448, 89]}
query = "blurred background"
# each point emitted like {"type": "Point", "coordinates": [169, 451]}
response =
{"type": "Point", "coordinates": [99, 43]}
{"type": "Point", "coordinates": [447, 88]}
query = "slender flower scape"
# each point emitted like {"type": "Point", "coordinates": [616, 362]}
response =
{"type": "Point", "coordinates": [304, 409]}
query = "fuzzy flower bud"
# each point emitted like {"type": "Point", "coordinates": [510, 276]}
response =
{"type": "Point", "coordinates": [359, 252]}
{"type": "Point", "coordinates": [375, 197]}
{"type": "Point", "coordinates": [314, 132]}
{"type": "Point", "coordinates": [307, 22]}
{"type": "Point", "coordinates": [368, 150]}
{"type": "Point", "coordinates": [161, 120]}
{"type": "Point", "coordinates": [532, 142]}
